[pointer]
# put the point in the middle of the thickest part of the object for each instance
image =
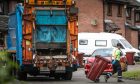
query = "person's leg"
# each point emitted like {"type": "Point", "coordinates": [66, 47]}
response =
{"type": "Point", "coordinates": [114, 69]}
{"type": "Point", "coordinates": [109, 74]}
{"type": "Point", "coordinates": [119, 73]}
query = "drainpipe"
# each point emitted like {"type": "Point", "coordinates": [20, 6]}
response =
{"type": "Point", "coordinates": [103, 15]}
{"type": "Point", "coordinates": [125, 9]}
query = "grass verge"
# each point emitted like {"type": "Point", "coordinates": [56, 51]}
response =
{"type": "Point", "coordinates": [137, 62]}
{"type": "Point", "coordinates": [135, 75]}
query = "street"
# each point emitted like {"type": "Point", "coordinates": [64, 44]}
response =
{"type": "Point", "coordinates": [78, 78]}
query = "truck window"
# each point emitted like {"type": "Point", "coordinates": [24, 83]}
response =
{"type": "Point", "coordinates": [83, 42]}
{"type": "Point", "coordinates": [100, 42]}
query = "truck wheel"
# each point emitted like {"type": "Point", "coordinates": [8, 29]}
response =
{"type": "Point", "coordinates": [57, 77]}
{"type": "Point", "coordinates": [68, 75]}
{"type": "Point", "coordinates": [21, 75]}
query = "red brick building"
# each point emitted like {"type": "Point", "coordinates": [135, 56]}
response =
{"type": "Point", "coordinates": [90, 15]}
{"type": "Point", "coordinates": [132, 22]}
{"type": "Point", "coordinates": [137, 23]}
{"type": "Point", "coordinates": [109, 16]}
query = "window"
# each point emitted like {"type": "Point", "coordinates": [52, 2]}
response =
{"type": "Point", "coordinates": [114, 42]}
{"type": "Point", "coordinates": [1, 8]}
{"type": "Point", "coordinates": [100, 42]}
{"type": "Point", "coordinates": [109, 9]}
{"type": "Point", "coordinates": [103, 52]}
{"type": "Point", "coordinates": [83, 42]}
{"type": "Point", "coordinates": [137, 17]}
{"type": "Point", "coordinates": [126, 43]}
{"type": "Point", "coordinates": [120, 10]}
{"type": "Point", "coordinates": [128, 13]}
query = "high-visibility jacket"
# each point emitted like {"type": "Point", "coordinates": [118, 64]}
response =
{"type": "Point", "coordinates": [117, 54]}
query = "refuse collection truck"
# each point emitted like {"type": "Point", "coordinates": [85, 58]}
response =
{"type": "Point", "coordinates": [48, 45]}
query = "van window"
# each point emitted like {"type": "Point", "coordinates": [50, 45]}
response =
{"type": "Point", "coordinates": [126, 43]}
{"type": "Point", "coordinates": [100, 42]}
{"type": "Point", "coordinates": [83, 42]}
{"type": "Point", "coordinates": [114, 42]}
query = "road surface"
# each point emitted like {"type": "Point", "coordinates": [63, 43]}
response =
{"type": "Point", "coordinates": [78, 78]}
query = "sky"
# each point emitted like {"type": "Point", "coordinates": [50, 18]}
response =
{"type": "Point", "coordinates": [138, 0]}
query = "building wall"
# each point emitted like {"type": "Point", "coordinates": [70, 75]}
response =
{"type": "Point", "coordinates": [132, 35]}
{"type": "Point", "coordinates": [138, 24]}
{"type": "Point", "coordinates": [134, 38]}
{"type": "Point", "coordinates": [9, 6]}
{"type": "Point", "coordinates": [12, 5]}
{"type": "Point", "coordinates": [90, 10]}
{"type": "Point", "coordinates": [119, 21]}
{"type": "Point", "coordinates": [128, 35]}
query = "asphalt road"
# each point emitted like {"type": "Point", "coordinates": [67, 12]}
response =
{"type": "Point", "coordinates": [78, 78]}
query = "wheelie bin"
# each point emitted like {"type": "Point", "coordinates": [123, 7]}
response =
{"type": "Point", "coordinates": [130, 58]}
{"type": "Point", "coordinates": [80, 59]}
{"type": "Point", "coordinates": [97, 68]}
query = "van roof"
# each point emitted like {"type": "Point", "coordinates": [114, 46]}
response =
{"type": "Point", "coordinates": [99, 35]}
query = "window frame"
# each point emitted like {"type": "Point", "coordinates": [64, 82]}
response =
{"type": "Point", "coordinates": [83, 43]}
{"type": "Point", "coordinates": [137, 19]}
{"type": "Point", "coordinates": [129, 12]}
{"type": "Point", "coordinates": [109, 9]}
{"type": "Point", "coordinates": [120, 11]}
{"type": "Point", "coordinates": [100, 41]}
{"type": "Point", "coordinates": [1, 7]}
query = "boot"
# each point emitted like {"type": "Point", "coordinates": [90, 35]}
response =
{"type": "Point", "coordinates": [106, 78]}
{"type": "Point", "coordinates": [120, 80]}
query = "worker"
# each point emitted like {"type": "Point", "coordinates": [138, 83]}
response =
{"type": "Point", "coordinates": [116, 63]}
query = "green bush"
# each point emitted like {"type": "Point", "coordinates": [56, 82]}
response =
{"type": "Point", "coordinates": [5, 66]}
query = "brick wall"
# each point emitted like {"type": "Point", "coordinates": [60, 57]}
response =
{"type": "Point", "coordinates": [134, 38]}
{"type": "Point", "coordinates": [132, 35]}
{"type": "Point", "coordinates": [90, 10]}
{"type": "Point", "coordinates": [119, 21]}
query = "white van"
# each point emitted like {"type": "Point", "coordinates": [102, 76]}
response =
{"type": "Point", "coordinates": [88, 42]}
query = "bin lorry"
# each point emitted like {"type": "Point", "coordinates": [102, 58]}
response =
{"type": "Point", "coordinates": [47, 39]}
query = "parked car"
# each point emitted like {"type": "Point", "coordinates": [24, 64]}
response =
{"type": "Point", "coordinates": [107, 53]}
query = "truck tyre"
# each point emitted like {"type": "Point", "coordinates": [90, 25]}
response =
{"type": "Point", "coordinates": [21, 75]}
{"type": "Point", "coordinates": [57, 77]}
{"type": "Point", "coordinates": [68, 75]}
